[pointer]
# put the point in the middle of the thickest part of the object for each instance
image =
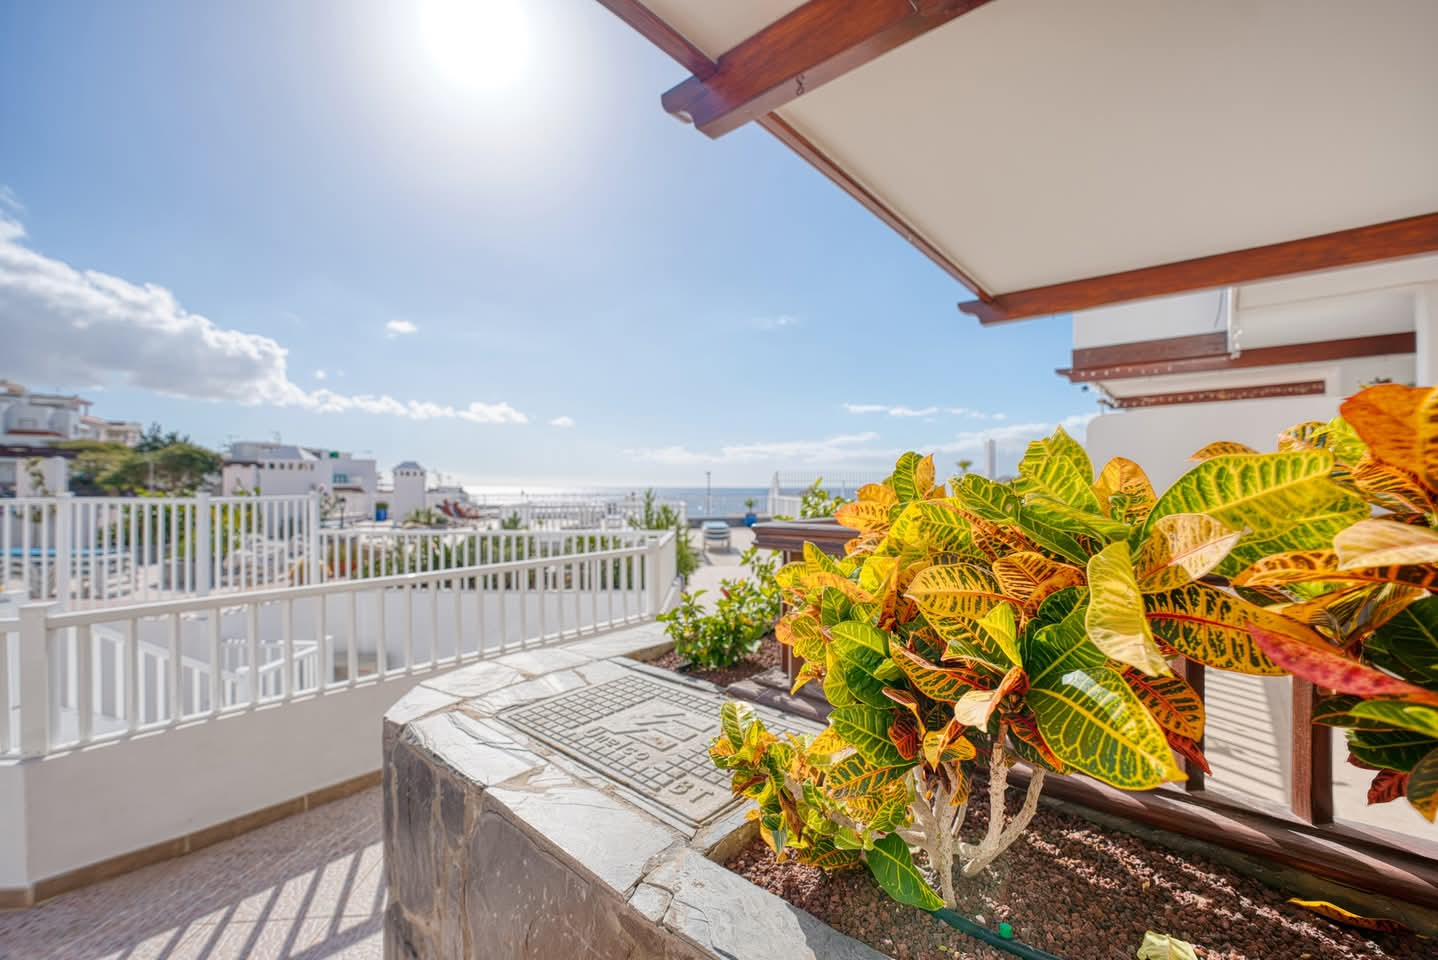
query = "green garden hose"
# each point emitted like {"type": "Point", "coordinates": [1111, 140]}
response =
{"type": "Point", "coordinates": [964, 925]}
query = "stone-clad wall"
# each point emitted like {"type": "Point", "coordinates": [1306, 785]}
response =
{"type": "Point", "coordinates": [498, 846]}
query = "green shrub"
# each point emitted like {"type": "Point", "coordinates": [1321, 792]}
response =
{"type": "Point", "coordinates": [744, 613]}
{"type": "Point", "coordinates": [661, 516]}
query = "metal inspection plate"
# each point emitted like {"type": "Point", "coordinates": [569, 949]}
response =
{"type": "Point", "coordinates": [648, 735]}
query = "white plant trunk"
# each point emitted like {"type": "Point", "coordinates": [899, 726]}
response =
{"type": "Point", "coordinates": [937, 821]}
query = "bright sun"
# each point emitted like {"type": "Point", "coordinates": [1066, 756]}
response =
{"type": "Point", "coordinates": [476, 44]}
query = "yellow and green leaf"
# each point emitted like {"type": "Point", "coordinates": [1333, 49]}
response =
{"type": "Point", "coordinates": [1399, 714]}
{"type": "Point", "coordinates": [1057, 467]}
{"type": "Point", "coordinates": [1092, 720]}
{"type": "Point", "coordinates": [892, 865]}
{"type": "Point", "coordinates": [1385, 543]}
{"type": "Point", "coordinates": [866, 729]}
{"type": "Point", "coordinates": [1348, 918]}
{"type": "Point", "coordinates": [1001, 628]}
{"type": "Point", "coordinates": [1272, 494]}
{"type": "Point", "coordinates": [1422, 791]}
{"type": "Point", "coordinates": [913, 477]}
{"type": "Point", "coordinates": [1116, 621]}
{"type": "Point", "coordinates": [1030, 578]}
{"type": "Point", "coordinates": [1181, 548]}
{"type": "Point", "coordinates": [1221, 448]}
{"type": "Point", "coordinates": [1124, 490]}
{"type": "Point", "coordinates": [1400, 426]}
{"type": "Point", "coordinates": [960, 590]}
{"type": "Point", "coordinates": [1210, 626]}
{"type": "Point", "coordinates": [944, 684]}
{"type": "Point", "coordinates": [854, 776]}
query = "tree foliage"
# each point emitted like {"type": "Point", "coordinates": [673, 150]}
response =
{"type": "Point", "coordinates": [174, 466]}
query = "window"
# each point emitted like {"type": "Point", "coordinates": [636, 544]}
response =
{"type": "Point", "coordinates": [342, 478]}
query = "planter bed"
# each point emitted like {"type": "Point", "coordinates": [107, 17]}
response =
{"type": "Point", "coordinates": [765, 658]}
{"type": "Point", "coordinates": [1082, 892]}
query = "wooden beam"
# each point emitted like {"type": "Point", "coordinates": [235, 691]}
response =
{"type": "Point", "coordinates": [1312, 789]}
{"type": "Point", "coordinates": [1306, 388]}
{"type": "Point", "coordinates": [671, 42]}
{"type": "Point", "coordinates": [1320, 351]}
{"type": "Point", "coordinates": [1345, 248]}
{"type": "Point", "coordinates": [663, 36]}
{"type": "Point", "coordinates": [1152, 351]}
{"type": "Point", "coordinates": [807, 47]}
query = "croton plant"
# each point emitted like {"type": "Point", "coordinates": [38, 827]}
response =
{"type": "Point", "coordinates": [981, 622]}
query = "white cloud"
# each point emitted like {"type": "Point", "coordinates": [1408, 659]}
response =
{"type": "Point", "coordinates": [829, 450]}
{"type": "Point", "coordinates": [320, 375]}
{"type": "Point", "coordinates": [776, 322]}
{"type": "Point", "coordinates": [1015, 437]}
{"type": "Point", "coordinates": [399, 328]}
{"type": "Point", "coordinates": [562, 422]}
{"type": "Point", "coordinates": [858, 448]}
{"type": "Point", "coordinates": [88, 329]}
{"type": "Point", "coordinates": [896, 410]}
{"type": "Point", "coordinates": [9, 201]}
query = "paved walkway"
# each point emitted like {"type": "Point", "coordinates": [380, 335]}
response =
{"type": "Point", "coordinates": [718, 564]}
{"type": "Point", "coordinates": [310, 887]}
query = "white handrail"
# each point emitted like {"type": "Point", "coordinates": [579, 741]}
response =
{"type": "Point", "coordinates": [69, 678]}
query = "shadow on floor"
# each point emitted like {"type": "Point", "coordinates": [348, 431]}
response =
{"type": "Point", "coordinates": [310, 887]}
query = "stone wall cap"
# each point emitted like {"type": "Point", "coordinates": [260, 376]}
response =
{"type": "Point", "coordinates": [727, 916]}
{"type": "Point", "coordinates": [478, 753]}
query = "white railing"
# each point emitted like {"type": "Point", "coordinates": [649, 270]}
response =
{"type": "Point", "coordinates": [784, 505]}
{"type": "Point", "coordinates": [89, 551]}
{"type": "Point", "coordinates": [359, 552]}
{"type": "Point", "coordinates": [785, 488]}
{"type": "Point", "coordinates": [571, 511]}
{"type": "Point", "coordinates": [69, 679]}
{"type": "Point", "coordinates": [92, 552]}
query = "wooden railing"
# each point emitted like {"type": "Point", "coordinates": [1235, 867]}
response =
{"type": "Point", "coordinates": [1305, 836]}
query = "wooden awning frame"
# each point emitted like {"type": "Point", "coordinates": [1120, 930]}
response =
{"type": "Point", "coordinates": [824, 39]}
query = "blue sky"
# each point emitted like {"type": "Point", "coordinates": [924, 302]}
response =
{"type": "Point", "coordinates": [303, 218]}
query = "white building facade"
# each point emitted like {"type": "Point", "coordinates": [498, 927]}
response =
{"type": "Point", "coordinates": [287, 470]}
{"type": "Point", "coordinates": [32, 422]}
{"type": "Point", "coordinates": [1246, 362]}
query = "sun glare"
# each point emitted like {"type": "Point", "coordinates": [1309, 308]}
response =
{"type": "Point", "coordinates": [476, 44]}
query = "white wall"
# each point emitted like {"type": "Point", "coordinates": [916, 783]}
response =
{"type": "Point", "coordinates": [1161, 439]}
{"type": "Point", "coordinates": [99, 802]}
{"type": "Point", "coordinates": [408, 493]}
{"type": "Point", "coordinates": [1180, 316]}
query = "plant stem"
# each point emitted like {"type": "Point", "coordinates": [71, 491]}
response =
{"type": "Point", "coordinates": [1000, 835]}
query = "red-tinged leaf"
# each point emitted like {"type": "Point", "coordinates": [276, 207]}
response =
{"type": "Point", "coordinates": [1327, 667]}
{"type": "Point", "coordinates": [904, 734]}
{"type": "Point", "coordinates": [1388, 785]}
{"type": "Point", "coordinates": [1188, 749]}
{"type": "Point", "coordinates": [1361, 764]}
{"type": "Point", "coordinates": [904, 699]}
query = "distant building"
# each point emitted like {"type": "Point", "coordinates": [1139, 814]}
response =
{"type": "Point", "coordinates": [30, 423]}
{"type": "Point", "coordinates": [286, 469]}
{"type": "Point", "coordinates": [410, 480]}
{"type": "Point", "coordinates": [44, 419]}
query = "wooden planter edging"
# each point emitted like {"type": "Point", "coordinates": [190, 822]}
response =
{"type": "Point", "coordinates": [1379, 861]}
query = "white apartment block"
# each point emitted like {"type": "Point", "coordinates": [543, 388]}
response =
{"type": "Point", "coordinates": [285, 469]}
